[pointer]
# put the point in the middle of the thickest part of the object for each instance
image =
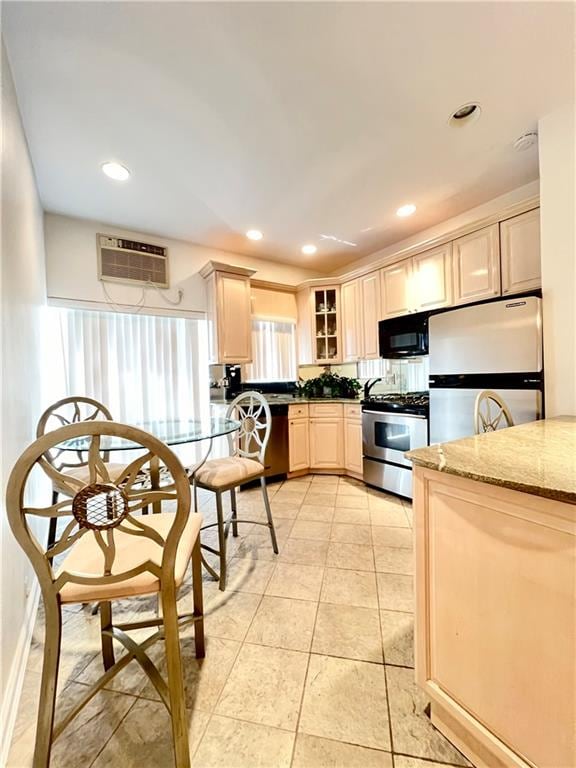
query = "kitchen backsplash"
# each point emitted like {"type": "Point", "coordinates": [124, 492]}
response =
{"type": "Point", "coordinates": [398, 375]}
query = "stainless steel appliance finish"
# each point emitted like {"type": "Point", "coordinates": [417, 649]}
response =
{"type": "Point", "coordinates": [499, 337]}
{"type": "Point", "coordinates": [225, 382]}
{"type": "Point", "coordinates": [391, 425]}
{"type": "Point", "coordinates": [495, 346]}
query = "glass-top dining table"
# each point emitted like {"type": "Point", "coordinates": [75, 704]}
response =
{"type": "Point", "coordinates": [172, 432]}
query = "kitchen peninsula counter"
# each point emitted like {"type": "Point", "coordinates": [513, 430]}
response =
{"type": "Point", "coordinates": [495, 587]}
{"type": "Point", "coordinates": [537, 458]}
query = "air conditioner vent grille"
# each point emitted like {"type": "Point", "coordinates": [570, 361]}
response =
{"type": "Point", "coordinates": [128, 261]}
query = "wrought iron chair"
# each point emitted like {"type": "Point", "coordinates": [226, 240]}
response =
{"type": "Point", "coordinates": [71, 410]}
{"type": "Point", "coordinates": [489, 410]}
{"type": "Point", "coordinates": [245, 463]}
{"type": "Point", "coordinates": [106, 552]}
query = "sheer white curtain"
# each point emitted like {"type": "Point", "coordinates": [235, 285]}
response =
{"type": "Point", "coordinates": [144, 368]}
{"type": "Point", "coordinates": [273, 350]}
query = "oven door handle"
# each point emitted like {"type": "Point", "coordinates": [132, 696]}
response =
{"type": "Point", "coordinates": [384, 414]}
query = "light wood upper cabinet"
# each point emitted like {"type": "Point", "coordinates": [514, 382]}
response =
{"type": "Point", "coordinates": [520, 252]}
{"type": "Point", "coordinates": [351, 312]}
{"type": "Point", "coordinates": [371, 313]}
{"type": "Point", "coordinates": [396, 289]}
{"type": "Point", "coordinates": [432, 278]}
{"type": "Point", "coordinates": [298, 444]}
{"type": "Point", "coordinates": [476, 265]}
{"type": "Point", "coordinates": [229, 312]}
{"type": "Point", "coordinates": [319, 334]}
{"type": "Point", "coordinates": [326, 443]}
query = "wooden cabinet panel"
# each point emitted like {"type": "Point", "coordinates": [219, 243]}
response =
{"type": "Point", "coordinates": [351, 313]}
{"type": "Point", "coordinates": [520, 252]}
{"type": "Point", "coordinates": [353, 411]}
{"type": "Point", "coordinates": [432, 278]}
{"type": "Point", "coordinates": [326, 443]}
{"type": "Point", "coordinates": [298, 444]}
{"type": "Point", "coordinates": [298, 411]}
{"type": "Point", "coordinates": [233, 318]}
{"type": "Point", "coordinates": [370, 314]}
{"type": "Point", "coordinates": [396, 289]}
{"type": "Point", "coordinates": [476, 265]}
{"type": "Point", "coordinates": [513, 601]}
{"type": "Point", "coordinates": [353, 445]}
{"type": "Point", "coordinates": [325, 410]}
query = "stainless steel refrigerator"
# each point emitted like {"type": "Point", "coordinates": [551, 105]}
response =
{"type": "Point", "coordinates": [495, 346]}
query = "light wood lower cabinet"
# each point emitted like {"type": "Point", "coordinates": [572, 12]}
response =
{"type": "Point", "coordinates": [353, 445]}
{"type": "Point", "coordinates": [299, 444]}
{"type": "Point", "coordinates": [325, 437]}
{"type": "Point", "coordinates": [496, 620]}
{"type": "Point", "coordinates": [326, 443]}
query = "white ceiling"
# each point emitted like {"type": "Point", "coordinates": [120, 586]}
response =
{"type": "Point", "coordinates": [299, 119]}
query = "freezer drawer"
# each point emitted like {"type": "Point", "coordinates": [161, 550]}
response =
{"type": "Point", "coordinates": [452, 410]}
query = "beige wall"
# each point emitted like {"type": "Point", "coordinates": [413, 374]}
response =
{"type": "Point", "coordinates": [22, 300]}
{"type": "Point", "coordinates": [72, 267]}
{"type": "Point", "coordinates": [557, 137]}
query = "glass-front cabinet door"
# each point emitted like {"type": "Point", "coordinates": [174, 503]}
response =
{"type": "Point", "coordinates": [326, 325]}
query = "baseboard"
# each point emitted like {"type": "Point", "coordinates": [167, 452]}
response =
{"type": "Point", "coordinates": [16, 675]}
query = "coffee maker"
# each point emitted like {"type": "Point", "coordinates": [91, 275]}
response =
{"type": "Point", "coordinates": [225, 382]}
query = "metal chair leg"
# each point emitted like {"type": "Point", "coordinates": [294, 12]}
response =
{"type": "Point", "coordinates": [175, 677]}
{"type": "Point", "coordinates": [221, 540]}
{"type": "Point", "coordinates": [53, 522]}
{"type": "Point", "coordinates": [47, 704]}
{"type": "Point", "coordinates": [198, 600]}
{"type": "Point", "coordinates": [234, 512]}
{"type": "Point", "coordinates": [107, 642]}
{"type": "Point", "coordinates": [269, 515]}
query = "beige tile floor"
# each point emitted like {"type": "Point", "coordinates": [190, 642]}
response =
{"type": "Point", "coordinates": [309, 659]}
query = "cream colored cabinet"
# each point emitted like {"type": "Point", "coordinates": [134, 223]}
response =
{"type": "Point", "coordinates": [476, 265]}
{"type": "Point", "coordinates": [371, 314]}
{"type": "Point", "coordinates": [319, 325]}
{"type": "Point", "coordinates": [396, 289]}
{"type": "Point", "coordinates": [326, 443]}
{"type": "Point", "coordinates": [353, 457]}
{"type": "Point", "coordinates": [229, 312]}
{"type": "Point", "coordinates": [351, 312]}
{"type": "Point", "coordinates": [520, 252]}
{"type": "Point", "coordinates": [298, 444]}
{"type": "Point", "coordinates": [432, 278]}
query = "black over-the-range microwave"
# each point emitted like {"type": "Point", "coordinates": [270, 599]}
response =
{"type": "Point", "coordinates": [405, 336]}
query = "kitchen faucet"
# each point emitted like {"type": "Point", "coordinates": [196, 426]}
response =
{"type": "Point", "coordinates": [368, 386]}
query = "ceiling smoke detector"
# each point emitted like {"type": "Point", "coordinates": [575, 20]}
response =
{"type": "Point", "coordinates": [465, 115]}
{"type": "Point", "coordinates": [525, 141]}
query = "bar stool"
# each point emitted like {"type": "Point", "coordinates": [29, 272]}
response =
{"type": "Point", "coordinates": [245, 463]}
{"type": "Point", "coordinates": [487, 417]}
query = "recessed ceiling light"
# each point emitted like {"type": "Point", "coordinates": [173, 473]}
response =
{"type": "Point", "coordinates": [466, 114]}
{"type": "Point", "coordinates": [116, 171]}
{"type": "Point", "coordinates": [309, 249]}
{"type": "Point", "coordinates": [406, 210]}
{"type": "Point", "coordinates": [254, 234]}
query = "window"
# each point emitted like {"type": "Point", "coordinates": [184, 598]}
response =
{"type": "Point", "coordinates": [273, 350]}
{"type": "Point", "coordinates": [142, 367]}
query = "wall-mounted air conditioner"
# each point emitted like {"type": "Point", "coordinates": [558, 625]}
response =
{"type": "Point", "coordinates": [128, 261]}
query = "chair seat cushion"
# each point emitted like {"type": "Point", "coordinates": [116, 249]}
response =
{"type": "Point", "coordinates": [230, 471]}
{"type": "Point", "coordinates": [83, 473]}
{"type": "Point", "coordinates": [86, 559]}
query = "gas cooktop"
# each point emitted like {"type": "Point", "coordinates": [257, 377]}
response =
{"type": "Point", "coordinates": [396, 402]}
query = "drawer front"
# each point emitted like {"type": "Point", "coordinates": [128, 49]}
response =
{"type": "Point", "coordinates": [298, 411]}
{"type": "Point", "coordinates": [325, 410]}
{"type": "Point", "coordinates": [352, 412]}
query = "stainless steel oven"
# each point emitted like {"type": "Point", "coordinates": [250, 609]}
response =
{"type": "Point", "coordinates": [385, 439]}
